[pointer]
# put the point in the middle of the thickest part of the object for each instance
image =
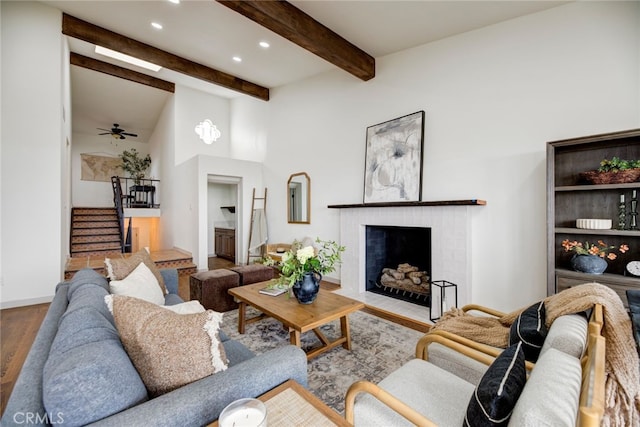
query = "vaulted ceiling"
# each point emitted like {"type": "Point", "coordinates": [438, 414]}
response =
{"type": "Point", "coordinates": [305, 37]}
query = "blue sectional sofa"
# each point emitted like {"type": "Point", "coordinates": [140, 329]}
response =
{"type": "Point", "coordinates": [77, 371]}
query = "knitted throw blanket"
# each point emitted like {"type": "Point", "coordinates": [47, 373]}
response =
{"type": "Point", "coordinates": [622, 386]}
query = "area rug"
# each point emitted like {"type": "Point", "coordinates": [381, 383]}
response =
{"type": "Point", "coordinates": [378, 347]}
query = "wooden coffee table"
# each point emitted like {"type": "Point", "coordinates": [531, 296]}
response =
{"type": "Point", "coordinates": [290, 404]}
{"type": "Point", "coordinates": [299, 318]}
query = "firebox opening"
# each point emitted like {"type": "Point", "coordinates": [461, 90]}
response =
{"type": "Point", "coordinates": [398, 262]}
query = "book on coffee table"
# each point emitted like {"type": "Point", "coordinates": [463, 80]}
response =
{"type": "Point", "coordinates": [274, 292]}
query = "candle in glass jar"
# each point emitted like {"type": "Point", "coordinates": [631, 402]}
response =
{"type": "Point", "coordinates": [243, 417]}
{"type": "Point", "coordinates": [622, 198]}
{"type": "Point", "coordinates": [244, 413]}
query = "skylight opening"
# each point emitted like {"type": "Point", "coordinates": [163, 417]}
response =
{"type": "Point", "coordinates": [126, 58]}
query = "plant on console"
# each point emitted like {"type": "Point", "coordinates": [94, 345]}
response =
{"type": "Point", "coordinates": [134, 164]}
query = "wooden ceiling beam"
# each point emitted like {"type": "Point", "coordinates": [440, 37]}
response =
{"type": "Point", "coordinates": [296, 26]}
{"type": "Point", "coordinates": [82, 30]}
{"type": "Point", "coordinates": [123, 73]}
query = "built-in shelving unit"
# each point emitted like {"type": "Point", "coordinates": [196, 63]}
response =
{"type": "Point", "coordinates": [569, 199]}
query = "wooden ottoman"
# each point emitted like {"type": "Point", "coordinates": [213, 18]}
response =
{"type": "Point", "coordinates": [253, 273]}
{"type": "Point", "coordinates": [210, 288]}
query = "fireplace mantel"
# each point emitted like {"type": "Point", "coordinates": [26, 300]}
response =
{"type": "Point", "coordinates": [469, 202]}
{"type": "Point", "coordinates": [452, 250]}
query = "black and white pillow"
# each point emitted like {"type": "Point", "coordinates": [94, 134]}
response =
{"type": "Point", "coordinates": [530, 329]}
{"type": "Point", "coordinates": [498, 391]}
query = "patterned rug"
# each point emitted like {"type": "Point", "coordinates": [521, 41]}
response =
{"type": "Point", "coordinates": [378, 347]}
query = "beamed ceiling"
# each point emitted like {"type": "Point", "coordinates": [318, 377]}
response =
{"type": "Point", "coordinates": [200, 37]}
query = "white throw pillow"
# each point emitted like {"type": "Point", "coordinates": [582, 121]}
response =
{"type": "Point", "coordinates": [189, 307]}
{"type": "Point", "coordinates": [140, 283]}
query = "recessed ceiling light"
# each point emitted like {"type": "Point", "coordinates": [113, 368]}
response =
{"type": "Point", "coordinates": [175, 1]}
{"type": "Point", "coordinates": [264, 44]}
{"type": "Point", "coordinates": [237, 59]}
{"type": "Point", "coordinates": [156, 25]}
{"type": "Point", "coordinates": [126, 58]}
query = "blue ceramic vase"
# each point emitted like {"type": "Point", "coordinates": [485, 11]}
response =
{"type": "Point", "coordinates": [592, 264]}
{"type": "Point", "coordinates": [306, 290]}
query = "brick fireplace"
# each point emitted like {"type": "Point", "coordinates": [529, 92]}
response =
{"type": "Point", "coordinates": [450, 225]}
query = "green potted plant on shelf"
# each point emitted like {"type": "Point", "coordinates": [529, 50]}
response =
{"type": "Point", "coordinates": [613, 171]}
{"type": "Point", "coordinates": [135, 165]}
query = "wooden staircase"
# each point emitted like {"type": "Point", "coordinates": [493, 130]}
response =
{"type": "Point", "coordinates": [94, 232]}
{"type": "Point", "coordinates": [95, 235]}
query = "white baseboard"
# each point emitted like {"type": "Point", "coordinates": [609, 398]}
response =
{"type": "Point", "coordinates": [25, 302]}
{"type": "Point", "coordinates": [331, 280]}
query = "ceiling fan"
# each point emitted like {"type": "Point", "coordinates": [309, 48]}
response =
{"type": "Point", "coordinates": [117, 132]}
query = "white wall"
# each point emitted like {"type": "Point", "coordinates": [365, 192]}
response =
{"type": "Point", "coordinates": [249, 123]}
{"type": "Point", "coordinates": [493, 98]}
{"type": "Point", "coordinates": [187, 162]}
{"type": "Point", "coordinates": [161, 144]}
{"type": "Point", "coordinates": [32, 141]}
{"type": "Point", "coordinates": [192, 107]}
{"type": "Point", "coordinates": [65, 155]}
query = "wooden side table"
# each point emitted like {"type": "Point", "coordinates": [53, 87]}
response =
{"type": "Point", "coordinates": [290, 404]}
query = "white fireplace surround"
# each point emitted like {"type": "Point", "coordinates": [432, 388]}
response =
{"type": "Point", "coordinates": [450, 244]}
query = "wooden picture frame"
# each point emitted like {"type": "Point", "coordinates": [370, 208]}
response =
{"type": "Point", "coordinates": [393, 160]}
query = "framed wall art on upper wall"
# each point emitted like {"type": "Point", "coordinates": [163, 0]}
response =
{"type": "Point", "coordinates": [393, 160]}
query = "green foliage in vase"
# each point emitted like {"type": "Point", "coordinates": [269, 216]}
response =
{"type": "Point", "coordinates": [320, 259]}
{"type": "Point", "coordinates": [617, 164]}
{"type": "Point", "coordinates": [134, 164]}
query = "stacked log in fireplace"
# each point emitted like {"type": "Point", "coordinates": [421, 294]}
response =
{"type": "Point", "coordinates": [406, 281]}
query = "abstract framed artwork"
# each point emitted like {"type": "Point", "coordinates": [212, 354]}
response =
{"type": "Point", "coordinates": [393, 160]}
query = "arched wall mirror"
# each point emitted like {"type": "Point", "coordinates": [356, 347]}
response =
{"type": "Point", "coordinates": [299, 199]}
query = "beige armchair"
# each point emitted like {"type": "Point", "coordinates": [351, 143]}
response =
{"type": "Point", "coordinates": [560, 388]}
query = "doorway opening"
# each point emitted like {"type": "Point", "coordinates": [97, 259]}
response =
{"type": "Point", "coordinates": [224, 207]}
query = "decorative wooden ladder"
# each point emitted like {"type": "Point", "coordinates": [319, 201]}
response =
{"type": "Point", "coordinates": [253, 219]}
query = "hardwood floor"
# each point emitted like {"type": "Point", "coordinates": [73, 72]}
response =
{"type": "Point", "coordinates": [18, 329]}
{"type": "Point", "coordinates": [19, 326]}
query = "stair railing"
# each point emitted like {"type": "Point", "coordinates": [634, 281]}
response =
{"type": "Point", "coordinates": [125, 239]}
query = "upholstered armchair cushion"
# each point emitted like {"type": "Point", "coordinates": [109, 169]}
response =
{"type": "Point", "coordinates": [425, 387]}
{"type": "Point", "coordinates": [457, 363]}
{"type": "Point", "coordinates": [555, 374]}
{"type": "Point", "coordinates": [568, 334]}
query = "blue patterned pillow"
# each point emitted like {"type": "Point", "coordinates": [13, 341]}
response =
{"type": "Point", "coordinates": [498, 391]}
{"type": "Point", "coordinates": [530, 329]}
